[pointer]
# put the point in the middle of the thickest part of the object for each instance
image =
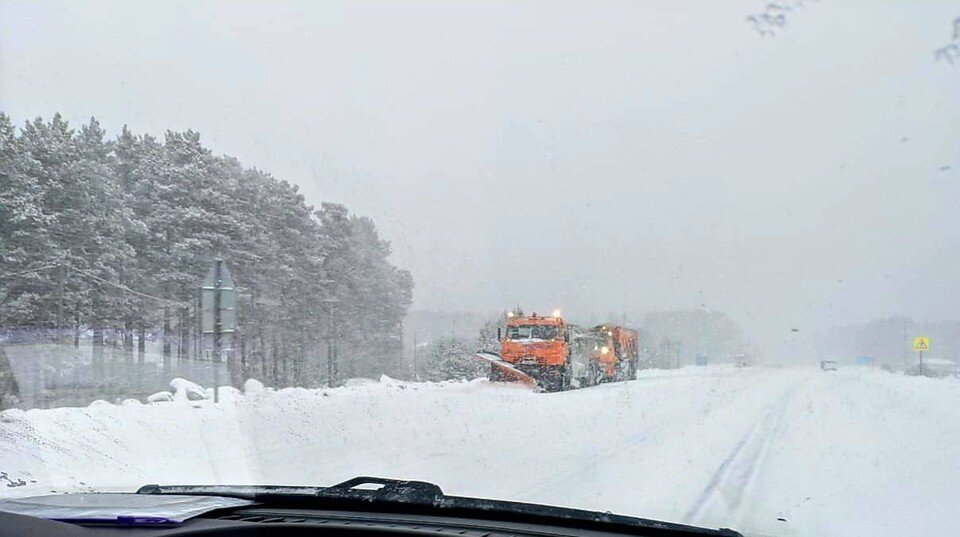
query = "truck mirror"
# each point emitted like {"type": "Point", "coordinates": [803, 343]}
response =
{"type": "Point", "coordinates": [499, 335]}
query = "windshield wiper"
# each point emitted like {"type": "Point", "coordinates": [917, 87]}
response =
{"type": "Point", "coordinates": [368, 489]}
{"type": "Point", "coordinates": [422, 498]}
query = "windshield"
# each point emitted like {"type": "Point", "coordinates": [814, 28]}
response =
{"type": "Point", "coordinates": [283, 243]}
{"type": "Point", "coordinates": [534, 331]}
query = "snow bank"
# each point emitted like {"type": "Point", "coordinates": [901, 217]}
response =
{"type": "Point", "coordinates": [828, 453]}
{"type": "Point", "coordinates": [227, 393]}
{"type": "Point", "coordinates": [184, 390]}
{"type": "Point", "coordinates": [350, 383]}
{"type": "Point", "coordinates": [252, 386]}
{"type": "Point", "coordinates": [160, 397]}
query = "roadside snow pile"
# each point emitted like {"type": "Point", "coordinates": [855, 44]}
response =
{"type": "Point", "coordinates": [252, 386]}
{"type": "Point", "coordinates": [743, 448]}
{"type": "Point", "coordinates": [184, 390]}
{"type": "Point", "coordinates": [360, 381]}
{"type": "Point", "coordinates": [227, 393]}
{"type": "Point", "coordinates": [389, 381]}
{"type": "Point", "coordinates": [160, 397]}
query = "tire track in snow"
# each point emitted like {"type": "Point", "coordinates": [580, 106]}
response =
{"type": "Point", "coordinates": [579, 471]}
{"type": "Point", "coordinates": [732, 482]}
{"type": "Point", "coordinates": [572, 476]}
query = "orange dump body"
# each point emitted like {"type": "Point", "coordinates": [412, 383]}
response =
{"type": "Point", "coordinates": [521, 347]}
{"type": "Point", "coordinates": [620, 345]}
{"type": "Point", "coordinates": [627, 343]}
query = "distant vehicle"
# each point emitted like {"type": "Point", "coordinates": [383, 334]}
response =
{"type": "Point", "coordinates": [828, 365]}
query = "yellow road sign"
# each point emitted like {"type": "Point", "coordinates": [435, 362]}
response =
{"type": "Point", "coordinates": [921, 343]}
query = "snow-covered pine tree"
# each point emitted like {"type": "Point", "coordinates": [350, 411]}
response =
{"type": "Point", "coordinates": [134, 213]}
{"type": "Point", "coordinates": [452, 359]}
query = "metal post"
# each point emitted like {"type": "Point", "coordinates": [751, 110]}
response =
{"type": "Point", "coordinates": [336, 351]}
{"type": "Point", "coordinates": [217, 280]}
{"type": "Point", "coordinates": [331, 345]}
{"type": "Point", "coordinates": [416, 372]}
{"type": "Point", "coordinates": [906, 343]}
{"type": "Point", "coordinates": [198, 324]}
{"type": "Point", "coordinates": [921, 363]}
{"type": "Point", "coordinates": [166, 339]}
{"type": "Point", "coordinates": [59, 302]}
{"type": "Point", "coordinates": [329, 360]}
{"type": "Point", "coordinates": [329, 338]}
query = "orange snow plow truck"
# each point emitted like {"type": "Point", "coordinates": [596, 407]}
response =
{"type": "Point", "coordinates": [560, 356]}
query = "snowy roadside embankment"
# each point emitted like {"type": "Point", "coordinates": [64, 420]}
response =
{"type": "Point", "coordinates": [827, 452]}
{"type": "Point", "coordinates": [472, 437]}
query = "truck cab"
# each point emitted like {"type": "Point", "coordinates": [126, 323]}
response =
{"type": "Point", "coordinates": [539, 346]}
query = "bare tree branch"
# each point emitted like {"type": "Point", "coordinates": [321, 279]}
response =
{"type": "Point", "coordinates": [951, 52]}
{"type": "Point", "coordinates": [773, 17]}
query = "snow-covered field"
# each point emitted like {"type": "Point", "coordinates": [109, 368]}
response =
{"type": "Point", "coordinates": [771, 451]}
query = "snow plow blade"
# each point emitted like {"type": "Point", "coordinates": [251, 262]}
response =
{"type": "Point", "coordinates": [505, 370]}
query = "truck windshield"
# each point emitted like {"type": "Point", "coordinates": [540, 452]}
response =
{"type": "Point", "coordinates": [528, 331]}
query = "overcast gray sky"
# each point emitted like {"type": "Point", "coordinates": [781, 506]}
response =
{"type": "Point", "coordinates": [600, 157]}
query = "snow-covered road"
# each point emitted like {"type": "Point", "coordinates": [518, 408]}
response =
{"type": "Point", "coordinates": [772, 451]}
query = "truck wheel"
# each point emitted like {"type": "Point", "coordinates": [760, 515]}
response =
{"type": "Point", "coordinates": [594, 372]}
{"type": "Point", "coordinates": [554, 379]}
{"type": "Point", "coordinates": [565, 377]}
{"type": "Point", "coordinates": [495, 374]}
